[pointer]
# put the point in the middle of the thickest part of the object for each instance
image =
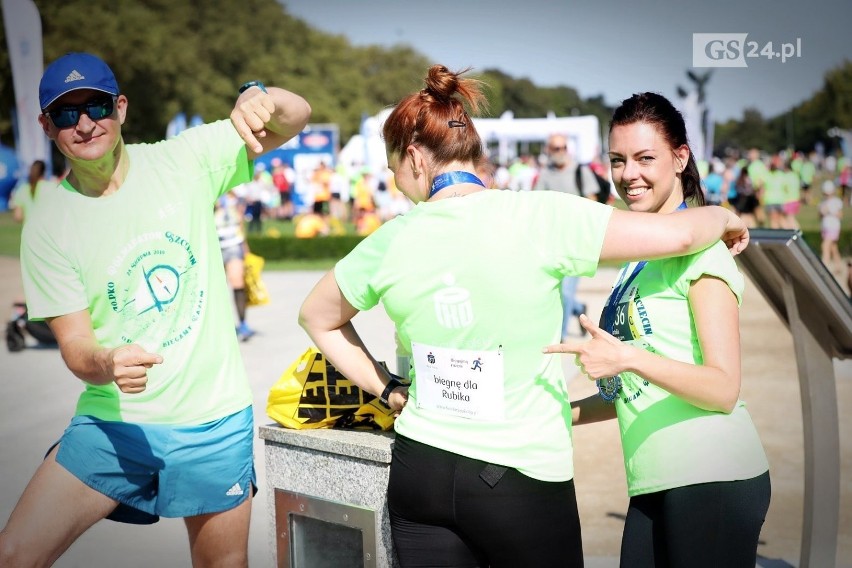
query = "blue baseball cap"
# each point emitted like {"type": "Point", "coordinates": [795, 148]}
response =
{"type": "Point", "coordinates": [72, 72]}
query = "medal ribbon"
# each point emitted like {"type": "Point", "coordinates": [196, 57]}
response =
{"type": "Point", "coordinates": [615, 297]}
{"type": "Point", "coordinates": [609, 387]}
{"type": "Point", "coordinates": [447, 179]}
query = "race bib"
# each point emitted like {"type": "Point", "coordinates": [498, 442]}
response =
{"type": "Point", "coordinates": [459, 382]}
{"type": "Point", "coordinates": [630, 322]}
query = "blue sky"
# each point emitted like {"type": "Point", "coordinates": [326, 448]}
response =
{"type": "Point", "coordinates": [608, 47]}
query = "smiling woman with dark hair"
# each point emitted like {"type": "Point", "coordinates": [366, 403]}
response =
{"type": "Point", "coordinates": [667, 362]}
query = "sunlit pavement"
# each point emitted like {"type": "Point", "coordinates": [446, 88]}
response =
{"type": "Point", "coordinates": [37, 397]}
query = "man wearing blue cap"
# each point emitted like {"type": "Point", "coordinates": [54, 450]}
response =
{"type": "Point", "coordinates": [124, 264]}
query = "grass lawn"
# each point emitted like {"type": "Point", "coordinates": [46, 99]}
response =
{"type": "Point", "coordinates": [10, 235]}
{"type": "Point", "coordinates": [10, 243]}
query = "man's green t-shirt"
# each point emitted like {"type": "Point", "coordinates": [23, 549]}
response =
{"type": "Point", "coordinates": [774, 188]}
{"type": "Point", "coordinates": [472, 284]}
{"type": "Point", "coordinates": [23, 196]}
{"type": "Point", "coordinates": [757, 172]}
{"type": "Point", "coordinates": [145, 262]}
{"type": "Point", "coordinates": [668, 442]}
{"type": "Point", "coordinates": [792, 186]}
{"type": "Point", "coordinates": [807, 172]}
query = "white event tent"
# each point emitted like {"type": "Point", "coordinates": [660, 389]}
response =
{"type": "Point", "coordinates": [367, 149]}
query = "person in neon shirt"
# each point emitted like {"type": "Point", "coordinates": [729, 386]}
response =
{"type": "Point", "coordinates": [124, 264]}
{"type": "Point", "coordinates": [313, 224]}
{"type": "Point", "coordinates": [482, 468]}
{"type": "Point", "coordinates": [667, 360]}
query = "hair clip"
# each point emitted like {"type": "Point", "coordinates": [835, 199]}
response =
{"type": "Point", "coordinates": [456, 124]}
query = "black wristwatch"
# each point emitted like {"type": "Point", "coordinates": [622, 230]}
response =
{"type": "Point", "coordinates": [392, 384]}
{"type": "Point", "coordinates": [250, 84]}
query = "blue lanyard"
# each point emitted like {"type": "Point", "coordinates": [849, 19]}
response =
{"type": "Point", "coordinates": [620, 289]}
{"type": "Point", "coordinates": [615, 296]}
{"type": "Point", "coordinates": [447, 179]}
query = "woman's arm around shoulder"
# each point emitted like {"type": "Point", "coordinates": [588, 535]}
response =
{"type": "Point", "coordinates": [644, 236]}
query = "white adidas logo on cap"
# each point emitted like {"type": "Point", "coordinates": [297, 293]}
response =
{"type": "Point", "coordinates": [74, 76]}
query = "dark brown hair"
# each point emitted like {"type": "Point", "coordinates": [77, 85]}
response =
{"type": "Point", "coordinates": [37, 170]}
{"type": "Point", "coordinates": [435, 118]}
{"type": "Point", "coordinates": [656, 110]}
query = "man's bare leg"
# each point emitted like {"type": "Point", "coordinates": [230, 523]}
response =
{"type": "Point", "coordinates": [54, 510]}
{"type": "Point", "coordinates": [220, 540]}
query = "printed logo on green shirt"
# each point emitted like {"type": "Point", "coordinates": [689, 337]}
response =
{"type": "Point", "coordinates": [154, 290]}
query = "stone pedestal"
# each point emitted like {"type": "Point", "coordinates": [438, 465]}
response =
{"type": "Point", "coordinates": [327, 485]}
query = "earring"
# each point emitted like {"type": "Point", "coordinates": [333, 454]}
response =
{"type": "Point", "coordinates": [416, 173]}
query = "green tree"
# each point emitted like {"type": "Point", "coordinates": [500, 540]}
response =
{"type": "Point", "coordinates": [799, 128]}
{"type": "Point", "coordinates": [838, 94]}
{"type": "Point", "coordinates": [191, 55]}
{"type": "Point", "coordinates": [752, 131]}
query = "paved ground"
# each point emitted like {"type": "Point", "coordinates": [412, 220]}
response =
{"type": "Point", "coordinates": [37, 397]}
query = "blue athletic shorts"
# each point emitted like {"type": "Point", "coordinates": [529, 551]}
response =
{"type": "Point", "coordinates": [155, 470]}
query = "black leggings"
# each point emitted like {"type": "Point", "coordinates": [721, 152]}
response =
{"type": "Point", "coordinates": [709, 524]}
{"type": "Point", "coordinates": [443, 513]}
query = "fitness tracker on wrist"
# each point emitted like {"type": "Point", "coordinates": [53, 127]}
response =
{"type": "Point", "coordinates": [392, 384]}
{"type": "Point", "coordinates": [250, 84]}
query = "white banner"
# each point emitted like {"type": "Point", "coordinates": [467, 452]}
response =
{"type": "Point", "coordinates": [693, 112]}
{"type": "Point", "coordinates": [23, 37]}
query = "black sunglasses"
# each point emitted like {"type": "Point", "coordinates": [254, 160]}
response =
{"type": "Point", "coordinates": [69, 115]}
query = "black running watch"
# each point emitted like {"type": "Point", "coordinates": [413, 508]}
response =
{"type": "Point", "coordinates": [392, 384]}
{"type": "Point", "coordinates": [250, 84]}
